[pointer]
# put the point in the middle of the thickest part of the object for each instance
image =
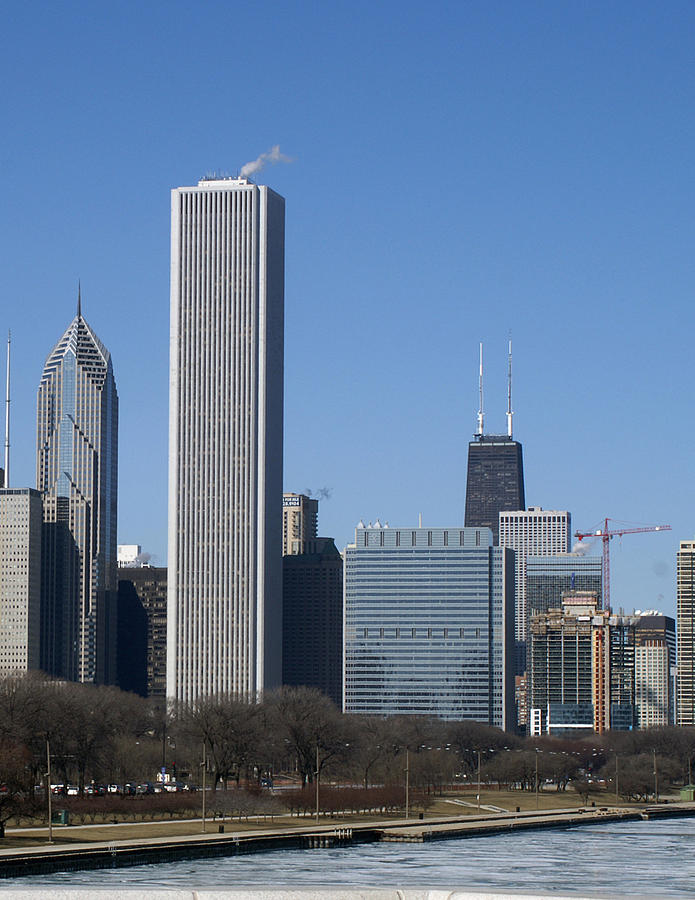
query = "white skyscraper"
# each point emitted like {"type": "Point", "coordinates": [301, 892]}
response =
{"type": "Point", "coordinates": [532, 532]}
{"type": "Point", "coordinates": [225, 439]}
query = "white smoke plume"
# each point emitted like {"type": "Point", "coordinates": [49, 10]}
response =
{"type": "Point", "coordinates": [272, 156]}
{"type": "Point", "coordinates": [582, 547]}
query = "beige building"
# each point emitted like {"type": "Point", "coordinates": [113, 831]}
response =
{"type": "Point", "coordinates": [21, 517]}
{"type": "Point", "coordinates": [652, 684]}
{"type": "Point", "coordinates": [299, 523]}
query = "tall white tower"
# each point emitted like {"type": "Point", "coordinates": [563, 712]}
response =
{"type": "Point", "coordinates": [225, 439]}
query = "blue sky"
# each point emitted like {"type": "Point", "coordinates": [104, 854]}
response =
{"type": "Point", "coordinates": [460, 170]}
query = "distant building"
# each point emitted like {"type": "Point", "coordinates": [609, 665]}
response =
{"type": "Point", "coordinates": [652, 684]}
{"type": "Point", "coordinates": [549, 577]}
{"type": "Point", "coordinates": [21, 518]}
{"type": "Point", "coordinates": [77, 475]}
{"type": "Point", "coordinates": [299, 522]}
{"type": "Point", "coordinates": [312, 618]}
{"type": "Point", "coordinates": [531, 532]}
{"type": "Point", "coordinates": [149, 584]}
{"type": "Point", "coordinates": [685, 603]}
{"type": "Point", "coordinates": [131, 658]}
{"type": "Point", "coordinates": [583, 664]}
{"type": "Point", "coordinates": [495, 481]}
{"type": "Point", "coordinates": [128, 555]}
{"type": "Point", "coordinates": [429, 624]}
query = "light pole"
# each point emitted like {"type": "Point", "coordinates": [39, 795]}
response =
{"type": "Point", "coordinates": [536, 777]}
{"type": "Point", "coordinates": [50, 792]}
{"type": "Point", "coordinates": [316, 773]}
{"type": "Point", "coordinates": [479, 780]}
{"type": "Point", "coordinates": [616, 777]}
{"type": "Point", "coordinates": [656, 780]}
{"type": "Point", "coordinates": [204, 765]}
{"type": "Point", "coordinates": [407, 783]}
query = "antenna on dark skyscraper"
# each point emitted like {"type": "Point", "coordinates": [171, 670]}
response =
{"type": "Point", "coordinates": [6, 482]}
{"type": "Point", "coordinates": [509, 393]}
{"type": "Point", "coordinates": [481, 413]}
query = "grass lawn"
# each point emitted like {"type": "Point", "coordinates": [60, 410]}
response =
{"type": "Point", "coordinates": [440, 807]}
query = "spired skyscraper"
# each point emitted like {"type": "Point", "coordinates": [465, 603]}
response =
{"type": "Point", "coordinates": [495, 481]}
{"type": "Point", "coordinates": [225, 439]}
{"type": "Point", "coordinates": [77, 474]}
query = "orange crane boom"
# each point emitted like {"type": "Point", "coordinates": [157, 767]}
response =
{"type": "Point", "coordinates": [606, 534]}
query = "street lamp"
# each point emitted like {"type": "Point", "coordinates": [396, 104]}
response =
{"type": "Point", "coordinates": [204, 766]}
{"type": "Point", "coordinates": [317, 775]}
{"type": "Point", "coordinates": [50, 792]}
{"type": "Point", "coordinates": [479, 780]}
{"type": "Point", "coordinates": [407, 783]}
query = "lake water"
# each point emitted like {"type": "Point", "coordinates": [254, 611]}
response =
{"type": "Point", "coordinates": [613, 859]}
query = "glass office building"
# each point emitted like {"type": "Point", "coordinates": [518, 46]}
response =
{"type": "Point", "coordinates": [549, 577]}
{"type": "Point", "coordinates": [429, 624]}
{"type": "Point", "coordinates": [77, 475]}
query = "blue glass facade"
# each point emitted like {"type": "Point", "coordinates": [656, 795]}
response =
{"type": "Point", "coordinates": [77, 474]}
{"type": "Point", "coordinates": [429, 624]}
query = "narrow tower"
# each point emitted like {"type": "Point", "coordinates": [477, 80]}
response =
{"type": "Point", "coordinates": [225, 439]}
{"type": "Point", "coordinates": [77, 471]}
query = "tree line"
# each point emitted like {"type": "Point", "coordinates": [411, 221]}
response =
{"type": "Point", "coordinates": [105, 736]}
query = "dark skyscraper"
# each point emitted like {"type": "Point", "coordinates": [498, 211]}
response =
{"type": "Point", "coordinates": [495, 481]}
{"type": "Point", "coordinates": [312, 618]}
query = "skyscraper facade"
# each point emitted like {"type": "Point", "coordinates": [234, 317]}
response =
{"type": "Point", "coordinates": [312, 617]}
{"type": "Point", "coordinates": [581, 668]}
{"type": "Point", "coordinates": [225, 439]}
{"type": "Point", "coordinates": [21, 518]}
{"type": "Point", "coordinates": [548, 577]}
{"type": "Point", "coordinates": [685, 606]}
{"type": "Point", "coordinates": [429, 624]}
{"type": "Point", "coordinates": [77, 474]}
{"type": "Point", "coordinates": [150, 585]}
{"type": "Point", "coordinates": [299, 522]}
{"type": "Point", "coordinates": [532, 532]}
{"type": "Point", "coordinates": [495, 481]}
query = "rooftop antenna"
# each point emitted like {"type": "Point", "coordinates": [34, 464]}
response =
{"type": "Point", "coordinates": [509, 392]}
{"type": "Point", "coordinates": [6, 482]}
{"type": "Point", "coordinates": [481, 414]}
{"type": "Point", "coordinates": [79, 299]}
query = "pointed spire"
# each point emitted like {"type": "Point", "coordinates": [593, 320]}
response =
{"type": "Point", "coordinates": [481, 412]}
{"type": "Point", "coordinates": [79, 299]}
{"type": "Point", "coordinates": [509, 392]}
{"type": "Point", "coordinates": [6, 481]}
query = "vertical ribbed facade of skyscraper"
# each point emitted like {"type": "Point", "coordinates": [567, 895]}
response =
{"type": "Point", "coordinates": [77, 473]}
{"type": "Point", "coordinates": [225, 439]}
{"type": "Point", "coordinates": [685, 603]}
{"type": "Point", "coordinates": [495, 481]}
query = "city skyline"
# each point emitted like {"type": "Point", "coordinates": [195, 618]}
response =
{"type": "Point", "coordinates": [562, 213]}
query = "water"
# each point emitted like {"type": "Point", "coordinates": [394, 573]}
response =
{"type": "Point", "coordinates": [613, 859]}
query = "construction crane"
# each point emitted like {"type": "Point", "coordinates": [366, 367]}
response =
{"type": "Point", "coordinates": [606, 534]}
